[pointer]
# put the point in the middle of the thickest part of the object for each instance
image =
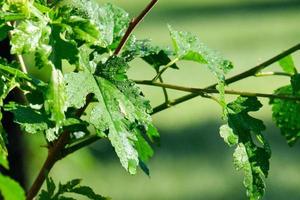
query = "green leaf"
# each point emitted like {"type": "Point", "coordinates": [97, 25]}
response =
{"type": "Point", "coordinates": [41, 5]}
{"type": "Point", "coordinates": [30, 37]}
{"type": "Point", "coordinates": [56, 98]}
{"type": "Point", "coordinates": [189, 47]}
{"type": "Point", "coordinates": [228, 135]}
{"type": "Point", "coordinates": [69, 186]}
{"type": "Point", "coordinates": [50, 186]}
{"type": "Point", "coordinates": [59, 44]}
{"type": "Point", "coordinates": [144, 150]}
{"type": "Point", "coordinates": [137, 48]}
{"type": "Point", "coordinates": [76, 27]}
{"type": "Point", "coordinates": [104, 19]}
{"type": "Point", "coordinates": [84, 30]}
{"type": "Point", "coordinates": [295, 82]}
{"type": "Point", "coordinates": [88, 192]}
{"type": "Point", "coordinates": [285, 114]}
{"type": "Point", "coordinates": [117, 109]}
{"type": "Point", "coordinates": [55, 103]}
{"type": "Point", "coordinates": [248, 159]}
{"type": "Point", "coordinates": [10, 189]}
{"type": "Point", "coordinates": [115, 70]}
{"type": "Point", "coordinates": [5, 67]}
{"type": "Point", "coordinates": [121, 107]}
{"type": "Point", "coordinates": [252, 153]}
{"type": "Point", "coordinates": [121, 21]}
{"type": "Point", "coordinates": [10, 16]}
{"type": "Point", "coordinates": [14, 8]}
{"type": "Point", "coordinates": [77, 87]}
{"type": "Point", "coordinates": [44, 195]}
{"type": "Point", "coordinates": [32, 121]}
{"type": "Point", "coordinates": [4, 29]}
{"type": "Point", "coordinates": [153, 55]}
{"type": "Point", "coordinates": [111, 21]}
{"type": "Point", "coordinates": [287, 64]}
{"type": "Point", "coordinates": [17, 77]}
{"type": "Point", "coordinates": [72, 186]}
{"type": "Point", "coordinates": [159, 59]}
{"type": "Point", "coordinates": [3, 150]}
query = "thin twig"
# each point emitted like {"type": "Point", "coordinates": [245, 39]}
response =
{"type": "Point", "coordinates": [164, 69]}
{"type": "Point", "coordinates": [201, 91]}
{"type": "Point", "coordinates": [164, 90]}
{"type": "Point", "coordinates": [243, 75]}
{"type": "Point", "coordinates": [134, 22]}
{"type": "Point", "coordinates": [22, 63]}
{"type": "Point", "coordinates": [79, 145]}
{"type": "Point", "coordinates": [262, 74]}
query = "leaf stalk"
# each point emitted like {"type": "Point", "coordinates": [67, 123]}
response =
{"type": "Point", "coordinates": [158, 75]}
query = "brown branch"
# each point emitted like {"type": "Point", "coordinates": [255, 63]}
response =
{"type": "Point", "coordinates": [134, 22]}
{"type": "Point", "coordinates": [53, 155]}
{"type": "Point", "coordinates": [48, 164]}
{"type": "Point", "coordinates": [243, 75]}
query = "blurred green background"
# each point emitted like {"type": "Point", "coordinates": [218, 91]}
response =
{"type": "Point", "coordinates": [193, 163]}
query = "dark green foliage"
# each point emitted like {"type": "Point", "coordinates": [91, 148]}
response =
{"type": "Point", "coordinates": [59, 45]}
{"type": "Point", "coordinates": [71, 187]}
{"type": "Point", "coordinates": [4, 31]}
{"type": "Point", "coordinates": [153, 55]}
{"type": "Point", "coordinates": [285, 115]}
{"type": "Point", "coordinates": [33, 121]}
{"type": "Point", "coordinates": [252, 151]}
{"type": "Point", "coordinates": [295, 82]}
{"type": "Point", "coordinates": [159, 59]}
